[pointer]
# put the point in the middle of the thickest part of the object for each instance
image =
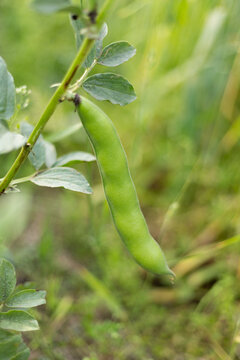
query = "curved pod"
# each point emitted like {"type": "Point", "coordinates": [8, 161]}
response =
{"type": "Point", "coordinates": [120, 190]}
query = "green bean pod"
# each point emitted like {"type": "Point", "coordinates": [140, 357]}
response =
{"type": "Point", "coordinates": [120, 190]}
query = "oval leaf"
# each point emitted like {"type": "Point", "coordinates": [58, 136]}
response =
{"type": "Point", "coordinates": [23, 355]}
{"type": "Point", "coordinates": [18, 320]}
{"type": "Point", "coordinates": [43, 151]}
{"type": "Point", "coordinates": [63, 177]}
{"type": "Point", "coordinates": [50, 153]}
{"type": "Point", "coordinates": [37, 155]}
{"type": "Point", "coordinates": [74, 156]}
{"type": "Point", "coordinates": [27, 299]}
{"type": "Point", "coordinates": [97, 48]}
{"type": "Point", "coordinates": [51, 6]}
{"type": "Point", "coordinates": [109, 86]}
{"type": "Point", "coordinates": [12, 347]}
{"type": "Point", "coordinates": [10, 141]}
{"type": "Point", "coordinates": [7, 279]}
{"type": "Point", "coordinates": [78, 26]}
{"type": "Point", "coordinates": [7, 92]}
{"type": "Point", "coordinates": [116, 53]}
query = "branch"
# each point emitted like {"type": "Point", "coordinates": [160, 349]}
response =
{"type": "Point", "coordinates": [49, 110]}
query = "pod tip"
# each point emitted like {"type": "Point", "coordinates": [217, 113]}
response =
{"type": "Point", "coordinates": [171, 275]}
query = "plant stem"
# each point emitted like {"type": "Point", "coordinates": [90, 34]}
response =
{"type": "Point", "coordinates": [23, 179]}
{"type": "Point", "coordinates": [49, 110]}
{"type": "Point", "coordinates": [79, 82]}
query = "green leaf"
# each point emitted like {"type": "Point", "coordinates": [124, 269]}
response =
{"type": "Point", "coordinates": [26, 299]}
{"type": "Point", "coordinates": [37, 155]}
{"type": "Point", "coordinates": [23, 355]}
{"type": "Point", "coordinates": [78, 27]}
{"type": "Point", "coordinates": [43, 151]}
{"type": "Point", "coordinates": [63, 177]}
{"type": "Point", "coordinates": [99, 42]}
{"type": "Point", "coordinates": [18, 320]}
{"type": "Point", "coordinates": [8, 345]}
{"type": "Point", "coordinates": [73, 157]}
{"type": "Point", "coordinates": [12, 189]}
{"type": "Point", "coordinates": [109, 86]}
{"type": "Point", "coordinates": [50, 153]}
{"type": "Point", "coordinates": [7, 279]}
{"type": "Point", "coordinates": [10, 141]}
{"type": "Point", "coordinates": [51, 6]}
{"type": "Point", "coordinates": [7, 92]}
{"type": "Point", "coordinates": [12, 347]}
{"type": "Point", "coordinates": [97, 48]}
{"type": "Point", "coordinates": [116, 53]}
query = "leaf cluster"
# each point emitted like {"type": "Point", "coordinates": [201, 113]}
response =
{"type": "Point", "coordinates": [14, 314]}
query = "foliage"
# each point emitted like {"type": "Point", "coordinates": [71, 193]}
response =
{"type": "Point", "coordinates": [14, 315]}
{"type": "Point", "coordinates": [182, 138]}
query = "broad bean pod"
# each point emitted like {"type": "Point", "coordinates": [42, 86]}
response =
{"type": "Point", "coordinates": [119, 188]}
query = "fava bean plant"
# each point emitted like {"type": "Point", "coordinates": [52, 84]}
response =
{"type": "Point", "coordinates": [90, 29]}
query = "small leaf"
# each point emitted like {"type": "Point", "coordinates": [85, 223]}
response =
{"type": "Point", "coordinates": [74, 156]}
{"type": "Point", "coordinates": [7, 92]}
{"type": "Point", "coordinates": [10, 141]}
{"type": "Point", "coordinates": [26, 299]}
{"type": "Point", "coordinates": [63, 177]}
{"type": "Point", "coordinates": [18, 320]}
{"type": "Point", "coordinates": [43, 151]}
{"type": "Point", "coordinates": [37, 155]}
{"type": "Point", "coordinates": [51, 6]}
{"type": "Point", "coordinates": [78, 26]}
{"type": "Point", "coordinates": [12, 347]}
{"type": "Point", "coordinates": [23, 355]}
{"type": "Point", "coordinates": [97, 48]}
{"type": "Point", "coordinates": [102, 34]}
{"type": "Point", "coordinates": [12, 189]}
{"type": "Point", "coordinates": [50, 153]}
{"type": "Point", "coordinates": [7, 279]}
{"type": "Point", "coordinates": [109, 86]}
{"type": "Point", "coordinates": [116, 53]}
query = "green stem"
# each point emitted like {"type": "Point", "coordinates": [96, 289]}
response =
{"type": "Point", "coordinates": [79, 82]}
{"type": "Point", "coordinates": [23, 179]}
{"type": "Point", "coordinates": [77, 62]}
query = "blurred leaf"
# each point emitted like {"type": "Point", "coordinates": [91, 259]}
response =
{"type": "Point", "coordinates": [74, 156]}
{"type": "Point", "coordinates": [78, 26]}
{"type": "Point", "coordinates": [27, 299]}
{"type": "Point", "coordinates": [23, 355]}
{"type": "Point", "coordinates": [18, 320]}
{"type": "Point", "coordinates": [116, 53]}
{"type": "Point", "coordinates": [97, 47]}
{"type": "Point", "coordinates": [62, 134]}
{"type": "Point", "coordinates": [99, 42]}
{"type": "Point", "coordinates": [7, 92]}
{"type": "Point", "coordinates": [50, 153]}
{"type": "Point", "coordinates": [10, 141]}
{"type": "Point", "coordinates": [12, 189]}
{"type": "Point", "coordinates": [43, 151]}
{"type": "Point", "coordinates": [37, 155]}
{"type": "Point", "coordinates": [63, 177]}
{"type": "Point", "coordinates": [51, 6]}
{"type": "Point", "coordinates": [7, 279]}
{"type": "Point", "coordinates": [109, 86]}
{"type": "Point", "coordinates": [12, 347]}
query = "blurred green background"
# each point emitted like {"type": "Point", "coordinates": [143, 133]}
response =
{"type": "Point", "coordinates": [181, 136]}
